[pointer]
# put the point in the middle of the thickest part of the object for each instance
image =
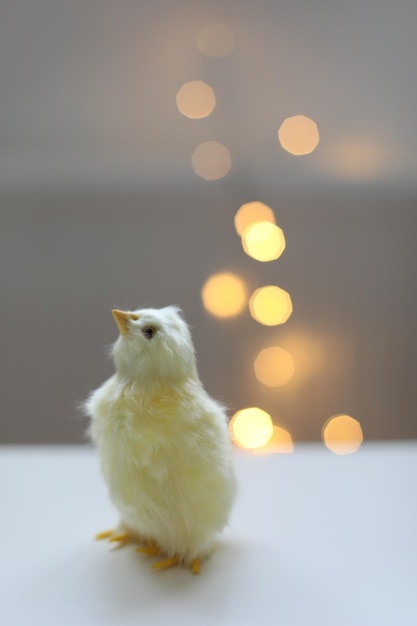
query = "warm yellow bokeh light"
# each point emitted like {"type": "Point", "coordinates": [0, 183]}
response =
{"type": "Point", "coordinates": [280, 443]}
{"type": "Point", "coordinates": [356, 158]}
{"type": "Point", "coordinates": [252, 212]}
{"type": "Point", "coordinates": [211, 160]}
{"type": "Point", "coordinates": [270, 305]}
{"type": "Point", "coordinates": [342, 434]}
{"type": "Point", "coordinates": [251, 428]}
{"type": "Point", "coordinates": [196, 99]}
{"type": "Point", "coordinates": [224, 295]}
{"type": "Point", "coordinates": [298, 135]}
{"type": "Point", "coordinates": [216, 40]}
{"type": "Point", "coordinates": [263, 241]}
{"type": "Point", "coordinates": [274, 366]}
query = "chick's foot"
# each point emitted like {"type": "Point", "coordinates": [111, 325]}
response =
{"type": "Point", "coordinates": [104, 534]}
{"type": "Point", "coordinates": [151, 549]}
{"type": "Point", "coordinates": [170, 562]}
{"type": "Point", "coordinates": [114, 536]}
{"type": "Point", "coordinates": [174, 560]}
{"type": "Point", "coordinates": [121, 538]}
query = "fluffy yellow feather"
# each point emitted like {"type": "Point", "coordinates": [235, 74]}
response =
{"type": "Point", "coordinates": [163, 441]}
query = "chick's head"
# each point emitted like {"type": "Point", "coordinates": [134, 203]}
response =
{"type": "Point", "coordinates": [154, 345]}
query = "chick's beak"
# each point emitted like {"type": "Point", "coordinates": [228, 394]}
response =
{"type": "Point", "coordinates": [122, 319]}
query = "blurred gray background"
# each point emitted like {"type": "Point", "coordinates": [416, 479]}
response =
{"type": "Point", "coordinates": [100, 207]}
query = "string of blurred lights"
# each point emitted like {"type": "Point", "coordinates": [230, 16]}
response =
{"type": "Point", "coordinates": [196, 100]}
{"type": "Point", "coordinates": [225, 295]}
{"type": "Point", "coordinates": [270, 305]}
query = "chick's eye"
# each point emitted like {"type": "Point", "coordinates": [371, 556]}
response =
{"type": "Point", "coordinates": [149, 331]}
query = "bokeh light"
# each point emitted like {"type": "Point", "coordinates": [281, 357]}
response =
{"type": "Point", "coordinates": [211, 160]}
{"type": "Point", "coordinates": [308, 352]}
{"type": "Point", "coordinates": [251, 428]}
{"type": "Point", "coordinates": [280, 443]}
{"type": "Point", "coordinates": [342, 434]}
{"type": "Point", "coordinates": [224, 295]}
{"type": "Point", "coordinates": [356, 158]}
{"type": "Point", "coordinates": [298, 135]}
{"type": "Point", "coordinates": [263, 241]}
{"type": "Point", "coordinates": [252, 212]}
{"type": "Point", "coordinates": [216, 40]}
{"type": "Point", "coordinates": [274, 366]}
{"type": "Point", "coordinates": [270, 305]}
{"type": "Point", "coordinates": [196, 99]}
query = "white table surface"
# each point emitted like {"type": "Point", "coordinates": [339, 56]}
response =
{"type": "Point", "coordinates": [314, 539]}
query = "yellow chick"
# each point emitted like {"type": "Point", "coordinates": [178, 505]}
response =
{"type": "Point", "coordinates": [163, 441]}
